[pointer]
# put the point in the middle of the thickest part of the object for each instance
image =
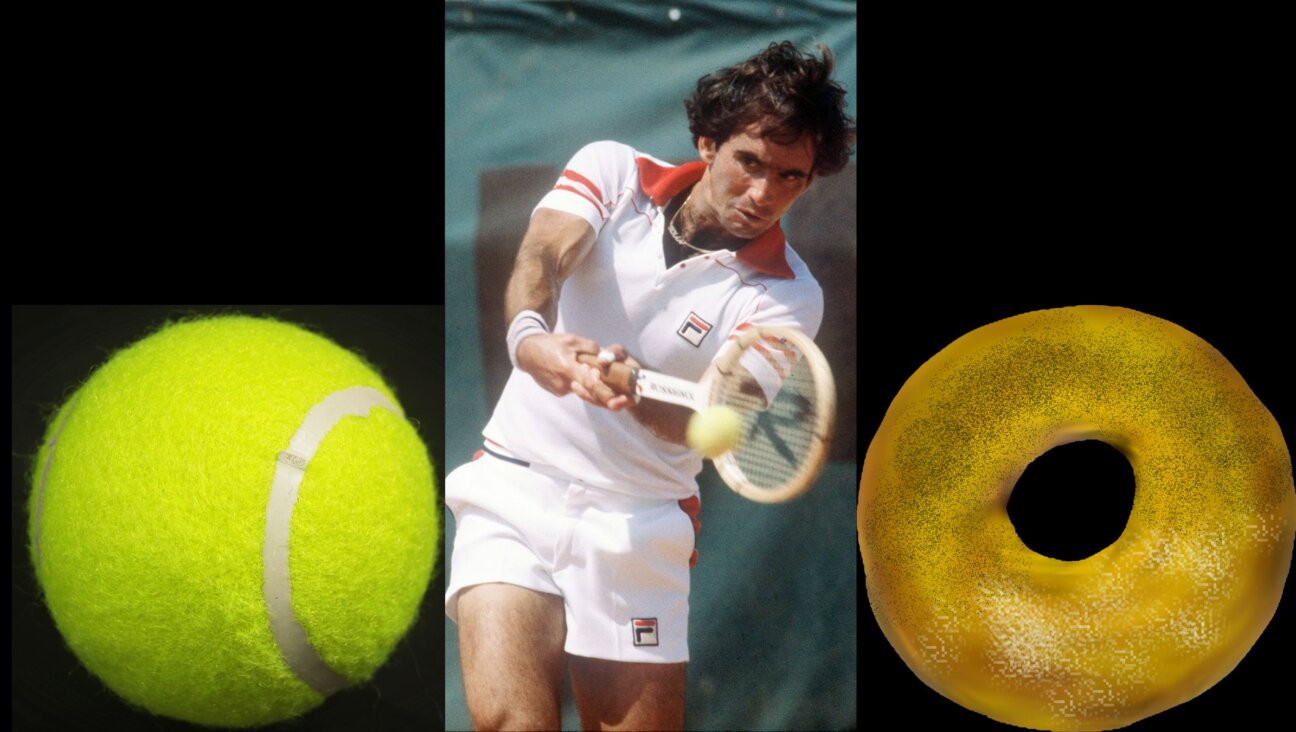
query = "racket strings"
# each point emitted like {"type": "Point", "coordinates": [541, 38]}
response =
{"type": "Point", "coordinates": [777, 438]}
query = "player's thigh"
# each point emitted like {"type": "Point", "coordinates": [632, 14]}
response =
{"type": "Point", "coordinates": [617, 695]}
{"type": "Point", "coordinates": [511, 648]}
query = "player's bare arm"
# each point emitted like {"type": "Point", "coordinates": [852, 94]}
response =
{"type": "Point", "coordinates": [554, 244]}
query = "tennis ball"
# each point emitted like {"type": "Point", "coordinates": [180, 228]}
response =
{"type": "Point", "coordinates": [232, 519]}
{"type": "Point", "coordinates": [714, 431]}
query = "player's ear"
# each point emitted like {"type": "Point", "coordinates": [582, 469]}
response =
{"type": "Point", "coordinates": [707, 149]}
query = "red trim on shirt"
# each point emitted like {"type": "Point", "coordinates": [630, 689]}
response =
{"type": "Point", "coordinates": [765, 254]}
{"type": "Point", "coordinates": [582, 194]}
{"type": "Point", "coordinates": [663, 184]}
{"type": "Point", "coordinates": [743, 279]}
{"type": "Point", "coordinates": [773, 360]}
{"type": "Point", "coordinates": [635, 202]}
{"type": "Point", "coordinates": [738, 330]}
{"type": "Point", "coordinates": [693, 507]}
{"type": "Point", "coordinates": [569, 173]}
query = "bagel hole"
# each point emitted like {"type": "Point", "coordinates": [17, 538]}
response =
{"type": "Point", "coordinates": [1073, 501]}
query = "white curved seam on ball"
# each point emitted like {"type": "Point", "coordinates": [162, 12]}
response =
{"type": "Point", "coordinates": [289, 635]}
{"type": "Point", "coordinates": [40, 490]}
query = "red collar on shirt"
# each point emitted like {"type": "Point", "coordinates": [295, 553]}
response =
{"type": "Point", "coordinates": [765, 253]}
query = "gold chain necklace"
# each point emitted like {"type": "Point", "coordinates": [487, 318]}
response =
{"type": "Point", "coordinates": [675, 232]}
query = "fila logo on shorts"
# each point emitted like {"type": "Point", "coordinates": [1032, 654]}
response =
{"type": "Point", "coordinates": [694, 329]}
{"type": "Point", "coordinates": [645, 631]}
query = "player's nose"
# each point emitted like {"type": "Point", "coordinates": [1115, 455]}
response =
{"type": "Point", "coordinates": [762, 194]}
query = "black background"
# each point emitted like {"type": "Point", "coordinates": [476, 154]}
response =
{"type": "Point", "coordinates": [54, 350]}
{"type": "Point", "coordinates": [1247, 334]}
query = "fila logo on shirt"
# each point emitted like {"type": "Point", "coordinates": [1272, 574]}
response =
{"type": "Point", "coordinates": [645, 631]}
{"type": "Point", "coordinates": [694, 329]}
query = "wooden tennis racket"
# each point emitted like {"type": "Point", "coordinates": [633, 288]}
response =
{"type": "Point", "coordinates": [780, 385]}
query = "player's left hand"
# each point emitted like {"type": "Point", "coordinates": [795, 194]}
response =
{"type": "Point", "coordinates": [591, 388]}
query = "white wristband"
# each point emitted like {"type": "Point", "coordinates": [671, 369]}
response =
{"type": "Point", "coordinates": [526, 323]}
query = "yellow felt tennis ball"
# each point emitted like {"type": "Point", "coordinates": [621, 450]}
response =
{"type": "Point", "coordinates": [232, 519]}
{"type": "Point", "coordinates": [714, 431]}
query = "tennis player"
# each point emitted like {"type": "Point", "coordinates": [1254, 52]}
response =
{"type": "Point", "coordinates": [576, 523]}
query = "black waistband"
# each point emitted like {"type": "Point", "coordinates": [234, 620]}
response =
{"type": "Point", "coordinates": [506, 458]}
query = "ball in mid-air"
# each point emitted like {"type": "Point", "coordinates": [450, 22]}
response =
{"type": "Point", "coordinates": [714, 431]}
{"type": "Point", "coordinates": [232, 519]}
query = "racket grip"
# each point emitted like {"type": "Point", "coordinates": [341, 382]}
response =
{"type": "Point", "coordinates": [617, 375]}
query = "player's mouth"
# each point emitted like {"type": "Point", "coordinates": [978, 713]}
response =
{"type": "Point", "coordinates": [750, 217]}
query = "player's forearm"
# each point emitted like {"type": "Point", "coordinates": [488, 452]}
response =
{"type": "Point", "coordinates": [668, 422]}
{"type": "Point", "coordinates": [554, 245]}
{"type": "Point", "coordinates": [534, 285]}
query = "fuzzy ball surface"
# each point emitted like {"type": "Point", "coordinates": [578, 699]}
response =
{"type": "Point", "coordinates": [148, 520]}
{"type": "Point", "coordinates": [714, 431]}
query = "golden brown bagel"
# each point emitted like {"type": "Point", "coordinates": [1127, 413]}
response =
{"type": "Point", "coordinates": [1149, 622]}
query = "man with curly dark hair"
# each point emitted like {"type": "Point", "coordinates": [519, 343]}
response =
{"type": "Point", "coordinates": [576, 525]}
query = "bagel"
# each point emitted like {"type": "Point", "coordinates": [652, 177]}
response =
{"type": "Point", "coordinates": [1147, 623]}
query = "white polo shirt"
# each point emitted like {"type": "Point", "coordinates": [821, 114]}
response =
{"type": "Point", "coordinates": [672, 320]}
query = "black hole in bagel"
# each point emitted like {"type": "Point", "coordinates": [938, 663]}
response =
{"type": "Point", "coordinates": [1073, 501]}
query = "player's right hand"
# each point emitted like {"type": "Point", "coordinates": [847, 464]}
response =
{"type": "Point", "coordinates": [550, 359]}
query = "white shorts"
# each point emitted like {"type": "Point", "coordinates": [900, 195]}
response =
{"type": "Point", "coordinates": [620, 563]}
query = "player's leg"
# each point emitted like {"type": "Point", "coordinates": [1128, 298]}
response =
{"type": "Point", "coordinates": [510, 613]}
{"type": "Point", "coordinates": [511, 647]}
{"type": "Point", "coordinates": [616, 695]}
{"type": "Point", "coordinates": [626, 589]}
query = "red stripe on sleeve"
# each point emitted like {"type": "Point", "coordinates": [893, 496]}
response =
{"type": "Point", "coordinates": [582, 194]}
{"type": "Point", "coordinates": [774, 361]}
{"type": "Point", "coordinates": [737, 331]}
{"type": "Point", "coordinates": [569, 173]}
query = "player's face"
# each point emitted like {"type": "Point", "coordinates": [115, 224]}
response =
{"type": "Point", "coordinates": [754, 180]}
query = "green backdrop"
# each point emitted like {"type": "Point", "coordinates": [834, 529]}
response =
{"type": "Point", "coordinates": [773, 608]}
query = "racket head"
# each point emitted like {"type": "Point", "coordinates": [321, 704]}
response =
{"type": "Point", "coordinates": [785, 441]}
